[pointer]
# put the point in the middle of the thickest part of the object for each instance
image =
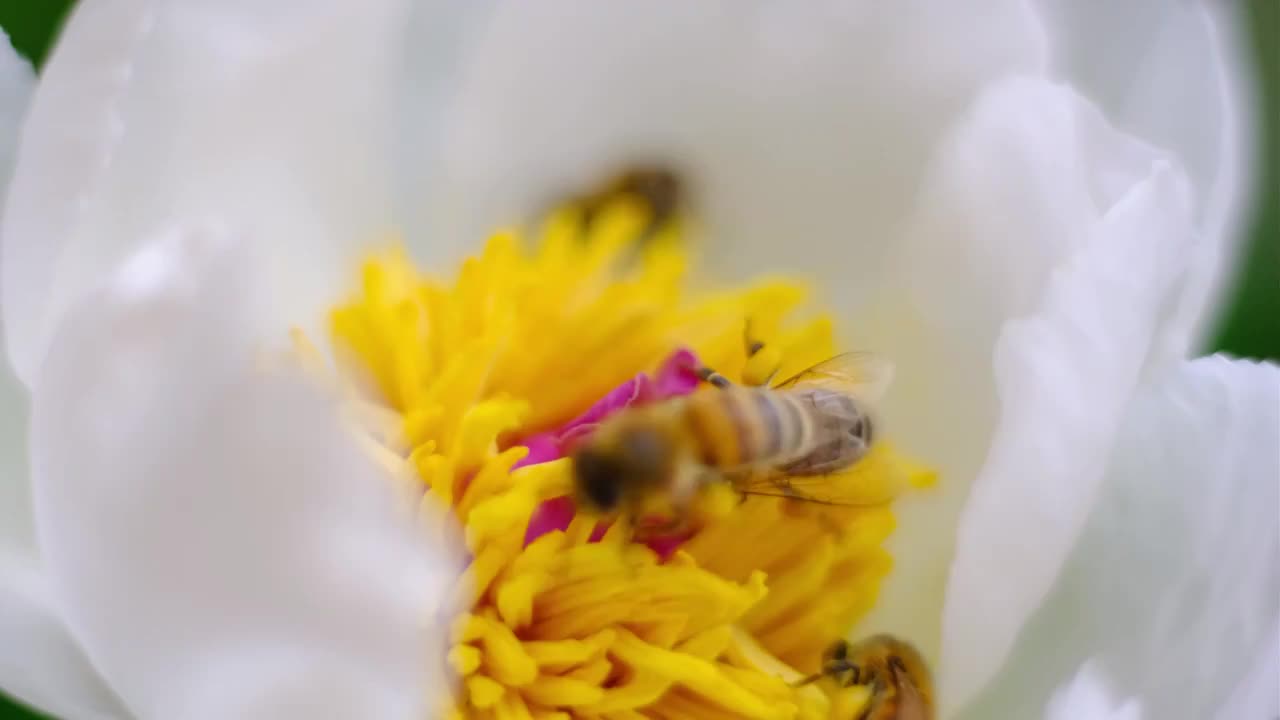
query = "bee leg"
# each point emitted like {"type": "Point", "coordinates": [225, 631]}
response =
{"type": "Point", "coordinates": [707, 375]}
{"type": "Point", "coordinates": [838, 666]}
{"type": "Point", "coordinates": [846, 674]}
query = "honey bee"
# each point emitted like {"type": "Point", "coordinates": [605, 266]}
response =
{"type": "Point", "coordinates": [899, 680]}
{"type": "Point", "coordinates": [656, 187]}
{"type": "Point", "coordinates": [780, 441]}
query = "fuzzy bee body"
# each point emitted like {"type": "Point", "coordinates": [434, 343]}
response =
{"type": "Point", "coordinates": [800, 432]}
{"type": "Point", "coordinates": [899, 679]}
{"type": "Point", "coordinates": [763, 441]}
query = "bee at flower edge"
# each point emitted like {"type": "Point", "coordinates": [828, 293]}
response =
{"type": "Point", "coordinates": [891, 669]}
{"type": "Point", "coordinates": [659, 189]}
{"type": "Point", "coordinates": [781, 441]}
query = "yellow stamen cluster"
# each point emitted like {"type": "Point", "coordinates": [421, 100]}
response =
{"type": "Point", "coordinates": [521, 341]}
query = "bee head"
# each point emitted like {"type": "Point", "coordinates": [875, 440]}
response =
{"type": "Point", "coordinates": [607, 471]}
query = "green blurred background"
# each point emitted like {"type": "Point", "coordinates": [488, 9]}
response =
{"type": "Point", "coordinates": [1249, 328]}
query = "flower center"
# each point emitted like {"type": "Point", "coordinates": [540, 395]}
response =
{"type": "Point", "coordinates": [477, 387]}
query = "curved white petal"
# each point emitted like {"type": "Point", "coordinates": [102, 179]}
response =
{"type": "Point", "coordinates": [1064, 376]}
{"type": "Point", "coordinates": [16, 82]}
{"type": "Point", "coordinates": [40, 663]}
{"type": "Point", "coordinates": [799, 126]}
{"type": "Point", "coordinates": [214, 519]}
{"type": "Point", "coordinates": [17, 531]}
{"type": "Point", "coordinates": [1258, 691]}
{"type": "Point", "coordinates": [16, 528]}
{"type": "Point", "coordinates": [278, 115]}
{"type": "Point", "coordinates": [1087, 696]}
{"type": "Point", "coordinates": [1032, 207]}
{"type": "Point", "coordinates": [1174, 74]}
{"type": "Point", "coordinates": [1174, 586]}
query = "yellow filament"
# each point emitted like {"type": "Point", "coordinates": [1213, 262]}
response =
{"type": "Point", "coordinates": [445, 375]}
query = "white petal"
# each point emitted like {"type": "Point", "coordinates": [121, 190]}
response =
{"type": "Point", "coordinates": [1064, 376]}
{"type": "Point", "coordinates": [40, 663]}
{"type": "Point", "coordinates": [1024, 214]}
{"type": "Point", "coordinates": [1087, 697]}
{"type": "Point", "coordinates": [1143, 58]}
{"type": "Point", "coordinates": [1258, 692]}
{"type": "Point", "coordinates": [275, 115]}
{"type": "Point", "coordinates": [16, 82]}
{"type": "Point", "coordinates": [802, 126]}
{"type": "Point", "coordinates": [218, 541]}
{"type": "Point", "coordinates": [16, 528]}
{"type": "Point", "coordinates": [1174, 586]}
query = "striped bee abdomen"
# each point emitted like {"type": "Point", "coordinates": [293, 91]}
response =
{"type": "Point", "coordinates": [741, 426]}
{"type": "Point", "coordinates": [841, 433]}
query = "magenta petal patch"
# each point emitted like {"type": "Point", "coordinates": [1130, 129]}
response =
{"type": "Point", "coordinates": [678, 375]}
{"type": "Point", "coordinates": [554, 514]}
{"type": "Point", "coordinates": [666, 546]}
{"type": "Point", "coordinates": [542, 448]}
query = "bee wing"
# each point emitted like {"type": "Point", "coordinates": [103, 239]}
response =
{"type": "Point", "coordinates": [840, 489]}
{"type": "Point", "coordinates": [864, 375]}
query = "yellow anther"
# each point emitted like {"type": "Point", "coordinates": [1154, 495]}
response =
{"type": "Point", "coordinates": [464, 659]}
{"type": "Point", "coordinates": [560, 691]}
{"type": "Point", "coordinates": [447, 378]}
{"type": "Point", "coordinates": [484, 692]}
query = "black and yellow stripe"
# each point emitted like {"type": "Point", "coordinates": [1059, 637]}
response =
{"type": "Point", "coordinates": [738, 426]}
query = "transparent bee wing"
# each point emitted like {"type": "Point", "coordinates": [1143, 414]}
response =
{"type": "Point", "coordinates": [839, 489]}
{"type": "Point", "coordinates": [864, 375]}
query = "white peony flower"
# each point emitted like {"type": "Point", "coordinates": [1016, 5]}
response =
{"type": "Point", "coordinates": [1086, 696]}
{"type": "Point", "coordinates": [1026, 205]}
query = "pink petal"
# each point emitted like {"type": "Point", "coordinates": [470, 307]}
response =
{"type": "Point", "coordinates": [666, 546]}
{"type": "Point", "coordinates": [543, 447]}
{"type": "Point", "coordinates": [678, 375]}
{"type": "Point", "coordinates": [635, 391]}
{"type": "Point", "coordinates": [554, 514]}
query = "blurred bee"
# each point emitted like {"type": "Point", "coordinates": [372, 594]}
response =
{"type": "Point", "coordinates": [899, 680]}
{"type": "Point", "coordinates": [781, 441]}
{"type": "Point", "coordinates": [656, 187]}
{"type": "Point", "coordinates": [659, 188]}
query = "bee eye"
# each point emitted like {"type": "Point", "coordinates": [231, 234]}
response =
{"type": "Point", "coordinates": [596, 477]}
{"type": "Point", "coordinates": [862, 429]}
